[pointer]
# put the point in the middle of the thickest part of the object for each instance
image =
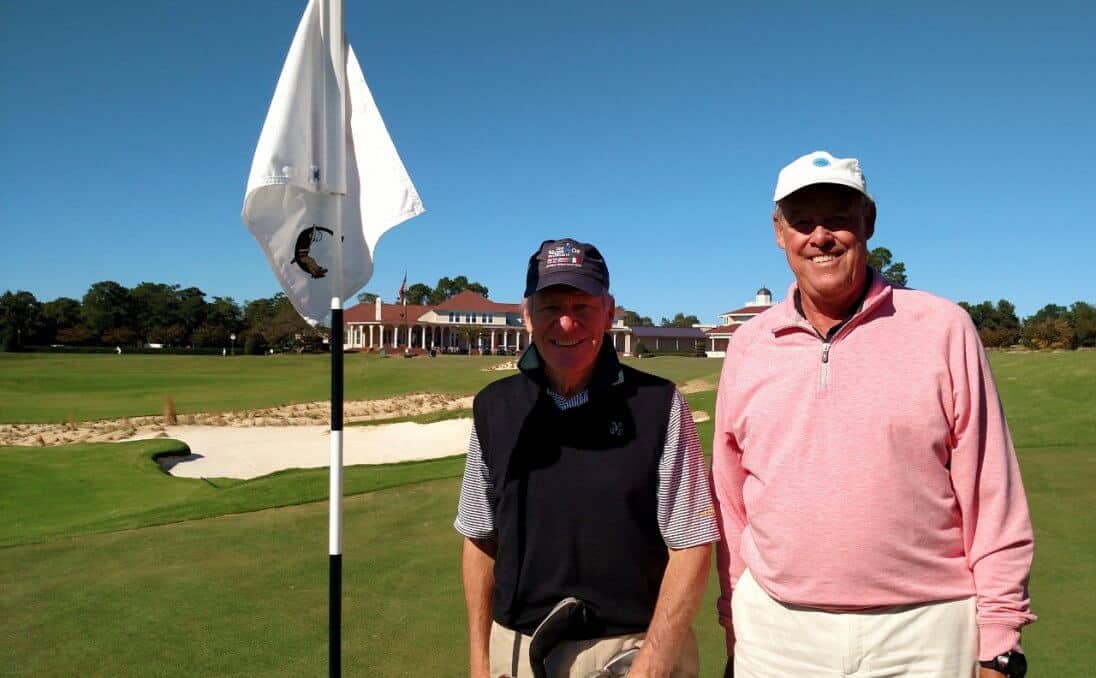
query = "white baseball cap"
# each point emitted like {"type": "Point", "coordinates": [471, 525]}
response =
{"type": "Point", "coordinates": [819, 167]}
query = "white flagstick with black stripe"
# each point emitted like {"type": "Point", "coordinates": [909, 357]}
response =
{"type": "Point", "coordinates": [334, 547]}
{"type": "Point", "coordinates": [326, 182]}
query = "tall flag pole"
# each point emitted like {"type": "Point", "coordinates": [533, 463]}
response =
{"type": "Point", "coordinates": [325, 183]}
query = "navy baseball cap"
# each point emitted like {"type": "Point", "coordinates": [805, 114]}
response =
{"type": "Point", "coordinates": [567, 262]}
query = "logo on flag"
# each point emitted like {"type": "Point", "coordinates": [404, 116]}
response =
{"type": "Point", "coordinates": [309, 245]}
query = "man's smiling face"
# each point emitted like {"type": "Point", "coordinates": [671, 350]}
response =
{"type": "Point", "coordinates": [568, 326]}
{"type": "Point", "coordinates": [824, 230]}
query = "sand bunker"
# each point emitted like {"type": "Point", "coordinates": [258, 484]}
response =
{"type": "Point", "coordinates": [259, 442]}
{"type": "Point", "coordinates": [696, 386]}
{"type": "Point", "coordinates": [236, 452]}
{"type": "Point", "coordinates": [301, 414]}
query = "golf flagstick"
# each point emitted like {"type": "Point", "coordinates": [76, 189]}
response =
{"type": "Point", "coordinates": [325, 183]}
{"type": "Point", "coordinates": [334, 548]}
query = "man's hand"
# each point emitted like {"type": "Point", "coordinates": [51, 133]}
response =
{"type": "Point", "coordinates": [678, 600]}
{"type": "Point", "coordinates": [477, 569]}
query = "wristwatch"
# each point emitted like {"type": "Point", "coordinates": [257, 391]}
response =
{"type": "Point", "coordinates": [1012, 664]}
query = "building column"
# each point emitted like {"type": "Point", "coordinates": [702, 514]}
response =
{"type": "Point", "coordinates": [395, 336]}
{"type": "Point", "coordinates": [380, 343]}
{"type": "Point", "coordinates": [492, 342]}
{"type": "Point", "coordinates": [628, 343]}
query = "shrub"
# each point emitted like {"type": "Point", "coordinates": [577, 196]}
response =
{"type": "Point", "coordinates": [1048, 333]}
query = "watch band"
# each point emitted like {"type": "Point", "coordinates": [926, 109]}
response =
{"type": "Point", "coordinates": [1012, 664]}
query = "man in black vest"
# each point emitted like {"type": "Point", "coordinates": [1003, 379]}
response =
{"type": "Point", "coordinates": [584, 479]}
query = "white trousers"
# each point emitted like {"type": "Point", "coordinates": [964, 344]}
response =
{"type": "Point", "coordinates": [932, 640]}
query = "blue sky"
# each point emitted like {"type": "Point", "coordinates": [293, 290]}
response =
{"type": "Point", "coordinates": [654, 129]}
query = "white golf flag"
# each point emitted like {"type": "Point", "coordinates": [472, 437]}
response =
{"type": "Point", "coordinates": [322, 192]}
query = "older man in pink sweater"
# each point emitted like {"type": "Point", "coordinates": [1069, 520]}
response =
{"type": "Point", "coordinates": [873, 517]}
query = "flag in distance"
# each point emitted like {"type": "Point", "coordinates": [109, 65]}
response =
{"type": "Point", "coordinates": [326, 181]}
{"type": "Point", "coordinates": [403, 290]}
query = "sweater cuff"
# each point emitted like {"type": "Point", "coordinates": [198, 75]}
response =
{"type": "Point", "coordinates": [995, 640]}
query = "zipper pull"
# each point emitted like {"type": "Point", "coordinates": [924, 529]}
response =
{"type": "Point", "coordinates": [825, 352]}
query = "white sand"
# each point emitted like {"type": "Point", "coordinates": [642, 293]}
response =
{"type": "Point", "coordinates": [250, 452]}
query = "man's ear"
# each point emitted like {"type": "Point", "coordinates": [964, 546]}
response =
{"type": "Point", "coordinates": [611, 303]}
{"type": "Point", "coordinates": [777, 230]}
{"type": "Point", "coordinates": [869, 219]}
{"type": "Point", "coordinates": [527, 313]}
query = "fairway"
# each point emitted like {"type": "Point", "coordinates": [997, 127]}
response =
{"type": "Point", "coordinates": [39, 387]}
{"type": "Point", "coordinates": [99, 577]}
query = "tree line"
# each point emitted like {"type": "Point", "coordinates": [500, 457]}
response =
{"type": "Point", "coordinates": [1052, 326]}
{"type": "Point", "coordinates": [111, 314]}
{"type": "Point", "coordinates": [421, 294]}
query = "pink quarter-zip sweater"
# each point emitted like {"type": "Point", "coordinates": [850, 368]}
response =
{"type": "Point", "coordinates": [872, 470]}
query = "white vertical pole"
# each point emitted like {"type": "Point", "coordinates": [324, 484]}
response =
{"type": "Point", "coordinates": [335, 493]}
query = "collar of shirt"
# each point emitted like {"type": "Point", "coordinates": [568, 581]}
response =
{"type": "Point", "coordinates": [852, 311]}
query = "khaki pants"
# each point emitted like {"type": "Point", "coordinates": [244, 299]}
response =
{"type": "Point", "coordinates": [932, 640]}
{"type": "Point", "coordinates": [577, 658]}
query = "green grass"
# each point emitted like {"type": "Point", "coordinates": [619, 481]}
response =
{"type": "Point", "coordinates": [83, 489]}
{"type": "Point", "coordinates": [245, 595]}
{"type": "Point", "coordinates": [1049, 398]}
{"type": "Point", "coordinates": [114, 569]}
{"type": "Point", "coordinates": [42, 387]}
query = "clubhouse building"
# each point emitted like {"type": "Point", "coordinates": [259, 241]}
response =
{"type": "Point", "coordinates": [470, 322]}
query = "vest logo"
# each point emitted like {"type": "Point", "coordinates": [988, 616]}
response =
{"type": "Point", "coordinates": [616, 429]}
{"type": "Point", "coordinates": [303, 254]}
